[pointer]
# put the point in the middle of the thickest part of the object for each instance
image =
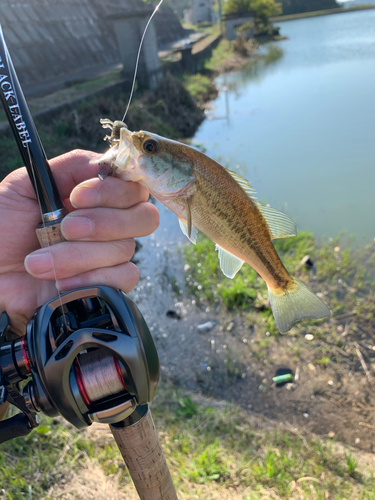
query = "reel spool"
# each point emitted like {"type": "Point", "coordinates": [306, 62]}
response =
{"type": "Point", "coordinates": [90, 356]}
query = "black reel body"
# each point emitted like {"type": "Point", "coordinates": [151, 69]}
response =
{"type": "Point", "coordinates": [90, 356]}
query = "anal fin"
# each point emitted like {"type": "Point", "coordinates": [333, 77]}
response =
{"type": "Point", "coordinates": [229, 264]}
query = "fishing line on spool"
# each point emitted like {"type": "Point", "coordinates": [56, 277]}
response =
{"type": "Point", "coordinates": [98, 376]}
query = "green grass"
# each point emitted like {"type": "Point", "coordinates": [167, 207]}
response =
{"type": "Point", "coordinates": [23, 460]}
{"type": "Point", "coordinates": [214, 452]}
{"type": "Point", "coordinates": [199, 86]}
{"type": "Point", "coordinates": [220, 55]}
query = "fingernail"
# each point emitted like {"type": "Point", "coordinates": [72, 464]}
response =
{"type": "Point", "coordinates": [75, 227]}
{"type": "Point", "coordinates": [85, 197]}
{"type": "Point", "coordinates": [39, 263]}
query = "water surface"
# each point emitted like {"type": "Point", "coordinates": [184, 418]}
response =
{"type": "Point", "coordinates": [303, 129]}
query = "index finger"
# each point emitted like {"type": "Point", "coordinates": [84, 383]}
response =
{"type": "Point", "coordinates": [69, 170]}
{"type": "Point", "coordinates": [72, 168]}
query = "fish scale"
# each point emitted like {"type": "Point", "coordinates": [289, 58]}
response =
{"type": "Point", "coordinates": [240, 227]}
{"type": "Point", "coordinates": [221, 204]}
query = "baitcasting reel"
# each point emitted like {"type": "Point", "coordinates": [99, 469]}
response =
{"type": "Point", "coordinates": [89, 355]}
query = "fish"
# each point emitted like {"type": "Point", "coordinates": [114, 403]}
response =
{"type": "Point", "coordinates": [207, 197]}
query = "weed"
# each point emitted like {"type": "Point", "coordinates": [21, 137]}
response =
{"type": "Point", "coordinates": [10, 157]}
{"type": "Point", "coordinates": [200, 87]}
{"type": "Point", "coordinates": [175, 286]}
{"type": "Point", "coordinates": [209, 465]}
{"type": "Point", "coordinates": [325, 361]}
{"type": "Point", "coordinates": [186, 408]}
{"type": "Point", "coordinates": [352, 464]}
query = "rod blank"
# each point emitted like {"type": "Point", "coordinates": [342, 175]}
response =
{"type": "Point", "coordinates": [26, 135]}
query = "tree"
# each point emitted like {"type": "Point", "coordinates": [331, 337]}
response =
{"type": "Point", "coordinates": [236, 6]}
{"type": "Point", "coordinates": [264, 9]}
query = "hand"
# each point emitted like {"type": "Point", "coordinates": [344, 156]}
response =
{"type": "Point", "coordinates": [104, 217]}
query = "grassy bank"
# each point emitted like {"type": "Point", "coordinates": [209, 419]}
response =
{"type": "Point", "coordinates": [213, 450]}
{"type": "Point", "coordinates": [318, 13]}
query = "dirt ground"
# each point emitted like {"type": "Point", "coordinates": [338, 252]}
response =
{"type": "Point", "coordinates": [235, 361]}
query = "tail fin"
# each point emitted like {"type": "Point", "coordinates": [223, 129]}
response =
{"type": "Point", "coordinates": [295, 304]}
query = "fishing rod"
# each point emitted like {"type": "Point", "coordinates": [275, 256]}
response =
{"type": "Point", "coordinates": [87, 354]}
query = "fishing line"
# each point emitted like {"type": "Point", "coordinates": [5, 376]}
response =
{"type": "Point", "coordinates": [7, 55]}
{"type": "Point", "coordinates": [138, 56]}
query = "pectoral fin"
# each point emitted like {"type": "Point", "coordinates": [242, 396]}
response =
{"type": "Point", "coordinates": [188, 213]}
{"type": "Point", "coordinates": [230, 265]}
{"type": "Point", "coordinates": [190, 234]}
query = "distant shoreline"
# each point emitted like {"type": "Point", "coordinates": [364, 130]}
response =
{"type": "Point", "coordinates": [316, 13]}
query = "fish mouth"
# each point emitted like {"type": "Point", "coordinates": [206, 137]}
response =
{"type": "Point", "coordinates": [125, 149]}
{"type": "Point", "coordinates": [118, 159]}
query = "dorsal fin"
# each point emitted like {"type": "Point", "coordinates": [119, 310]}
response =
{"type": "Point", "coordinates": [244, 184]}
{"type": "Point", "coordinates": [281, 226]}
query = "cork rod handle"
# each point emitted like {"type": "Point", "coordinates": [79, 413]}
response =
{"type": "Point", "coordinates": [50, 234]}
{"type": "Point", "coordinates": [143, 455]}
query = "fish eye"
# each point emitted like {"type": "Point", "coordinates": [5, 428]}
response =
{"type": "Point", "coordinates": [151, 146]}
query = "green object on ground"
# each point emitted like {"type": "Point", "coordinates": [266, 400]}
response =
{"type": "Point", "coordinates": [280, 379]}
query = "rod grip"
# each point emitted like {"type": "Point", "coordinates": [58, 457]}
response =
{"type": "Point", "coordinates": [144, 457]}
{"type": "Point", "coordinates": [50, 234]}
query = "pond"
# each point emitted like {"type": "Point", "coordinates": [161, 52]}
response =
{"type": "Point", "coordinates": [302, 130]}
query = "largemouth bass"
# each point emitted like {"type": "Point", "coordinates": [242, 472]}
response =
{"type": "Point", "coordinates": [206, 196]}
